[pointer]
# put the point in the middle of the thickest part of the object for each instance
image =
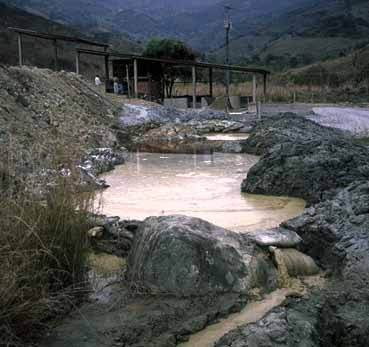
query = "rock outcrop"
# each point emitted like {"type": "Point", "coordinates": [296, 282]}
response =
{"type": "Point", "coordinates": [331, 171]}
{"type": "Point", "coordinates": [304, 160]}
{"type": "Point", "coordinates": [336, 233]}
{"type": "Point", "coordinates": [286, 128]}
{"type": "Point", "coordinates": [172, 138]}
{"type": "Point", "coordinates": [292, 325]}
{"type": "Point", "coordinates": [189, 257]}
{"type": "Point", "coordinates": [150, 113]}
{"type": "Point", "coordinates": [151, 127]}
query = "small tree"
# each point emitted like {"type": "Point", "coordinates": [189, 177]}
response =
{"type": "Point", "coordinates": [168, 49]}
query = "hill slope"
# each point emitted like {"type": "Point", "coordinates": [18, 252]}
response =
{"type": "Point", "coordinates": [39, 52]}
{"type": "Point", "coordinates": [319, 30]}
{"type": "Point", "coordinates": [279, 34]}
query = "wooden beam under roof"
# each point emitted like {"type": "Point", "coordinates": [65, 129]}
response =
{"type": "Point", "coordinates": [53, 37]}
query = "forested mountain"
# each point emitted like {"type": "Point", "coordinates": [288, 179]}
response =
{"type": "Point", "coordinates": [276, 33]}
{"type": "Point", "coordinates": [40, 52]}
{"type": "Point", "coordinates": [319, 30]}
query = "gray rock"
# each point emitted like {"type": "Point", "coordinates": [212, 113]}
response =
{"type": "Point", "coordinates": [134, 115]}
{"type": "Point", "coordinates": [172, 138]}
{"type": "Point", "coordinates": [4, 138]}
{"type": "Point", "coordinates": [215, 126]}
{"type": "Point", "coordinates": [335, 233]}
{"type": "Point", "coordinates": [188, 256]}
{"type": "Point", "coordinates": [285, 128]}
{"type": "Point", "coordinates": [278, 237]}
{"type": "Point", "coordinates": [282, 327]}
{"type": "Point", "coordinates": [187, 138]}
{"type": "Point", "coordinates": [232, 147]}
{"type": "Point", "coordinates": [116, 237]}
{"type": "Point", "coordinates": [311, 164]}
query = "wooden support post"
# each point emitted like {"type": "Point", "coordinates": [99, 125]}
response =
{"type": "Point", "coordinates": [265, 86]}
{"type": "Point", "coordinates": [254, 88]}
{"type": "Point", "coordinates": [107, 74]}
{"type": "Point", "coordinates": [211, 82]}
{"type": "Point", "coordinates": [135, 73]}
{"type": "Point", "coordinates": [56, 65]}
{"type": "Point", "coordinates": [194, 86]}
{"type": "Point", "coordinates": [77, 63]}
{"type": "Point", "coordinates": [128, 82]}
{"type": "Point", "coordinates": [20, 49]}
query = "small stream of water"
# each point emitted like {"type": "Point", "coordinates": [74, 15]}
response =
{"type": "Point", "coordinates": [250, 314]}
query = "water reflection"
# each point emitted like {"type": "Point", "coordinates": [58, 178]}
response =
{"type": "Point", "coordinates": [227, 137]}
{"type": "Point", "coordinates": [204, 186]}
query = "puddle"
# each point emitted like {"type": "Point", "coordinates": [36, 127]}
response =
{"type": "Point", "coordinates": [203, 186]}
{"type": "Point", "coordinates": [227, 137]}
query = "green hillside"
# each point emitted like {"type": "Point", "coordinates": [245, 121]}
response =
{"type": "Point", "coordinates": [40, 52]}
{"type": "Point", "coordinates": [321, 30]}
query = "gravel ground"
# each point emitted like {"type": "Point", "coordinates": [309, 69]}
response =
{"type": "Point", "coordinates": [354, 119]}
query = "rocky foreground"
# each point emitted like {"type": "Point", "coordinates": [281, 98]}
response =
{"type": "Point", "coordinates": [183, 273]}
{"type": "Point", "coordinates": [301, 158]}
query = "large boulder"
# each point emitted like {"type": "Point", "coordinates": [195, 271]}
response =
{"type": "Point", "coordinates": [189, 256]}
{"type": "Point", "coordinates": [286, 128]}
{"type": "Point", "coordinates": [311, 167]}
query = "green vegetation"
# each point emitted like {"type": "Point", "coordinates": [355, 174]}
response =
{"type": "Point", "coordinates": [40, 52]}
{"type": "Point", "coordinates": [168, 49]}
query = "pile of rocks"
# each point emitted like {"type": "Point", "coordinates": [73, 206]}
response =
{"type": "Point", "coordinates": [155, 128]}
{"type": "Point", "coordinates": [112, 235]}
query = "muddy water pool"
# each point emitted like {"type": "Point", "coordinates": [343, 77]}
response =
{"type": "Point", "coordinates": [203, 186]}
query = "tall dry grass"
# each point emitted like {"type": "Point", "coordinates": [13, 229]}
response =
{"type": "Point", "coordinates": [283, 91]}
{"type": "Point", "coordinates": [43, 241]}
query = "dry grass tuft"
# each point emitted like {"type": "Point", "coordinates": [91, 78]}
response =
{"type": "Point", "coordinates": [43, 243]}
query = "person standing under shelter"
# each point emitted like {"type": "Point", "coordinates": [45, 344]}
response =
{"type": "Point", "coordinates": [116, 85]}
{"type": "Point", "coordinates": [97, 81]}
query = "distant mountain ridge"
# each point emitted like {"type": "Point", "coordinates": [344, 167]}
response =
{"type": "Point", "coordinates": [39, 52]}
{"type": "Point", "coordinates": [265, 32]}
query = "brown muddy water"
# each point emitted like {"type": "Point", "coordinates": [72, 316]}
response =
{"type": "Point", "coordinates": [203, 186]}
{"type": "Point", "coordinates": [252, 312]}
{"type": "Point", "coordinates": [226, 137]}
